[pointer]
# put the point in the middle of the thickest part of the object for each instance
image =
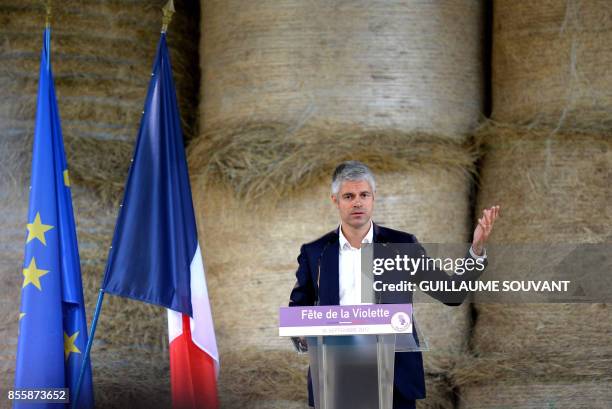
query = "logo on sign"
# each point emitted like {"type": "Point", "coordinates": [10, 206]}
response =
{"type": "Point", "coordinates": [400, 321]}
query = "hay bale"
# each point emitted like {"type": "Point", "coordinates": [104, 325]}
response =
{"type": "Point", "coordinates": [265, 167]}
{"type": "Point", "coordinates": [250, 255]}
{"type": "Point", "coordinates": [279, 404]}
{"type": "Point", "coordinates": [15, 153]}
{"type": "Point", "coordinates": [13, 215]}
{"type": "Point", "coordinates": [265, 379]}
{"type": "Point", "coordinates": [9, 320]}
{"type": "Point", "coordinates": [553, 187]}
{"type": "Point", "coordinates": [557, 395]}
{"type": "Point", "coordinates": [550, 62]}
{"type": "Point", "coordinates": [281, 80]}
{"type": "Point", "coordinates": [131, 377]}
{"type": "Point", "coordinates": [439, 394]}
{"type": "Point", "coordinates": [101, 54]}
{"type": "Point", "coordinates": [556, 187]}
{"type": "Point", "coordinates": [380, 66]}
{"type": "Point", "coordinates": [569, 338]}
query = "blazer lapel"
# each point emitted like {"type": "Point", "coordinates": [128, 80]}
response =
{"type": "Point", "coordinates": [328, 273]}
{"type": "Point", "coordinates": [378, 236]}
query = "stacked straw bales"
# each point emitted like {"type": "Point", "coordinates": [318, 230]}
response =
{"type": "Point", "coordinates": [556, 189]}
{"type": "Point", "coordinates": [562, 395]}
{"type": "Point", "coordinates": [291, 89]}
{"type": "Point", "coordinates": [102, 53]}
{"type": "Point", "coordinates": [550, 63]}
{"type": "Point", "coordinates": [280, 80]}
{"type": "Point", "coordinates": [548, 163]}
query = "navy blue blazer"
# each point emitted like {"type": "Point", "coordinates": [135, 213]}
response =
{"type": "Point", "coordinates": [318, 283]}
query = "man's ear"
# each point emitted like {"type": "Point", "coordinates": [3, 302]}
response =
{"type": "Point", "coordinates": [334, 199]}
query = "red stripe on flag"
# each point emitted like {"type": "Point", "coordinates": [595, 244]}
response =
{"type": "Point", "coordinates": [192, 373]}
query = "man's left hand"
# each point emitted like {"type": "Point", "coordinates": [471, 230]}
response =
{"type": "Point", "coordinates": [484, 228]}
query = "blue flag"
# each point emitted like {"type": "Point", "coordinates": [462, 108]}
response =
{"type": "Point", "coordinates": [52, 323]}
{"type": "Point", "coordinates": [157, 209]}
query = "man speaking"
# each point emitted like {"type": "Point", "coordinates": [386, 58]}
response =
{"type": "Point", "coordinates": [329, 267]}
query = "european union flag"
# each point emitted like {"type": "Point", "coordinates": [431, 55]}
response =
{"type": "Point", "coordinates": [52, 327]}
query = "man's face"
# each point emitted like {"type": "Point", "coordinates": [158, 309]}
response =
{"type": "Point", "coordinates": [355, 203]}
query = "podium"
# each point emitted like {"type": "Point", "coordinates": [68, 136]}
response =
{"type": "Point", "coordinates": [352, 350]}
{"type": "Point", "coordinates": [356, 371]}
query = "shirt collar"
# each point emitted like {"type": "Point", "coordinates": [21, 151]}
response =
{"type": "Point", "coordinates": [344, 243]}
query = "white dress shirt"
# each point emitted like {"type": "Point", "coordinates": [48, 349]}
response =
{"type": "Point", "coordinates": [349, 268]}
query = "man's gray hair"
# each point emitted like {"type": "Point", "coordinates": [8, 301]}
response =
{"type": "Point", "coordinates": [351, 170]}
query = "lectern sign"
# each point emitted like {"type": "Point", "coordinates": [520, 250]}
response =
{"type": "Point", "coordinates": [345, 320]}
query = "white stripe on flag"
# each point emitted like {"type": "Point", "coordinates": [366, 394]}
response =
{"type": "Point", "coordinates": [202, 329]}
{"type": "Point", "coordinates": [175, 324]}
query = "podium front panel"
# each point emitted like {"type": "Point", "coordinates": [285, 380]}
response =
{"type": "Point", "coordinates": [352, 372]}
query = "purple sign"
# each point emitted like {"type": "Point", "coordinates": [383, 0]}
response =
{"type": "Point", "coordinates": [345, 319]}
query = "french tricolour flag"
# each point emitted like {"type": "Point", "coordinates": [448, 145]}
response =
{"type": "Point", "coordinates": [155, 256]}
{"type": "Point", "coordinates": [194, 358]}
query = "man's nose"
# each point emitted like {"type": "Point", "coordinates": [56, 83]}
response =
{"type": "Point", "coordinates": [357, 203]}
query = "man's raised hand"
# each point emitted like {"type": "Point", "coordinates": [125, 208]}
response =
{"type": "Point", "coordinates": [484, 228]}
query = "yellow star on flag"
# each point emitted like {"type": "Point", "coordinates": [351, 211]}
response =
{"type": "Point", "coordinates": [69, 344]}
{"type": "Point", "coordinates": [32, 274]}
{"type": "Point", "coordinates": [21, 315]}
{"type": "Point", "coordinates": [37, 230]}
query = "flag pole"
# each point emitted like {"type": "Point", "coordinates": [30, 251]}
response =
{"type": "Point", "coordinates": [48, 27]}
{"type": "Point", "coordinates": [168, 10]}
{"type": "Point", "coordinates": [48, 14]}
{"type": "Point", "coordinates": [94, 323]}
